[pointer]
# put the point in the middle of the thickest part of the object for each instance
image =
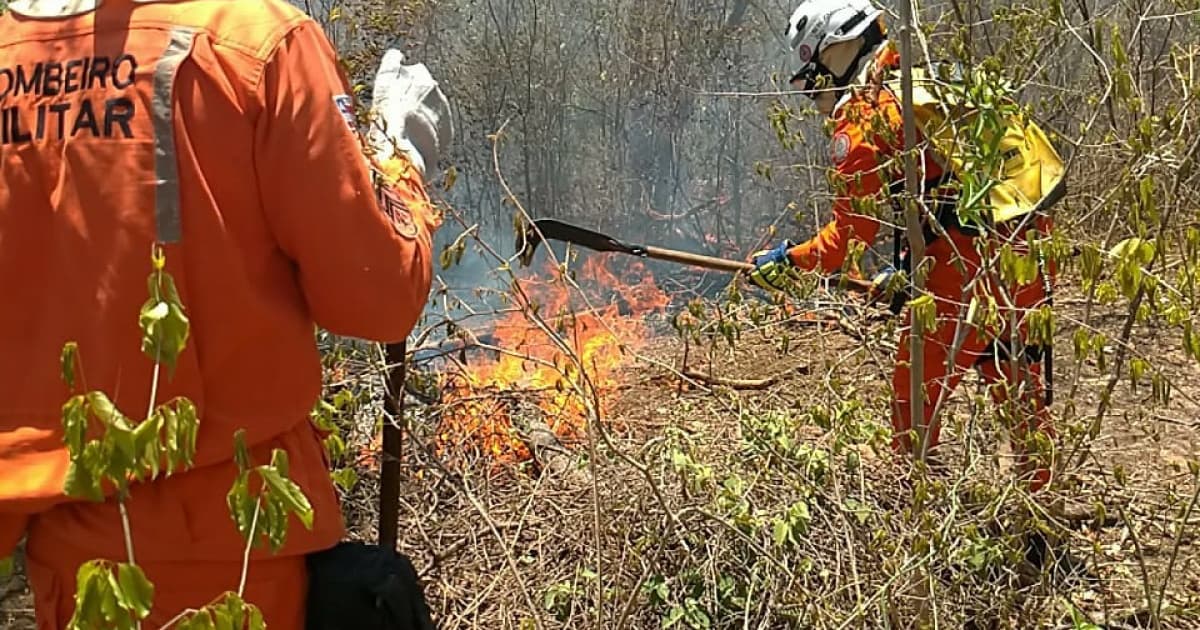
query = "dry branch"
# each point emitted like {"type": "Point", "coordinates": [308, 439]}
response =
{"type": "Point", "coordinates": [735, 383]}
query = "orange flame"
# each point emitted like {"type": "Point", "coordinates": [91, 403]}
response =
{"type": "Point", "coordinates": [482, 401]}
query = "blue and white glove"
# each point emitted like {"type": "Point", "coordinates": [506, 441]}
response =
{"type": "Point", "coordinates": [772, 267]}
{"type": "Point", "coordinates": [881, 283]}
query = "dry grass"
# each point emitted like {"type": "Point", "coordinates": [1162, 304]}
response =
{"type": "Point", "coordinates": [675, 509]}
{"type": "Point", "coordinates": [672, 513]}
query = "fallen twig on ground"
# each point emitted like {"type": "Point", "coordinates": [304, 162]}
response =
{"type": "Point", "coordinates": [735, 383]}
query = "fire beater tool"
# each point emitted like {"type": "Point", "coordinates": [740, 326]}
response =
{"type": "Point", "coordinates": [553, 229]}
{"type": "Point", "coordinates": [389, 473]}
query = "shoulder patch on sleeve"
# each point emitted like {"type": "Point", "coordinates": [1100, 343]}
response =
{"type": "Point", "coordinates": [840, 147]}
{"type": "Point", "coordinates": [399, 213]}
{"type": "Point", "coordinates": [346, 107]}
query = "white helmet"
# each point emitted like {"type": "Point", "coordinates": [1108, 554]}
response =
{"type": "Point", "coordinates": [816, 24]}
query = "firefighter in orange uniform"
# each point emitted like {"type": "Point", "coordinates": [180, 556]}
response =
{"type": "Point", "coordinates": [844, 42]}
{"type": "Point", "coordinates": [224, 131]}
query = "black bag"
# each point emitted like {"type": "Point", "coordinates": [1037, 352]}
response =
{"type": "Point", "coordinates": [357, 586]}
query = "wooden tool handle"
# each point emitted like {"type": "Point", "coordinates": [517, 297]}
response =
{"type": "Point", "coordinates": [724, 264]}
{"type": "Point", "coordinates": [854, 284]}
{"type": "Point", "coordinates": [708, 262]}
{"type": "Point", "coordinates": [389, 468]}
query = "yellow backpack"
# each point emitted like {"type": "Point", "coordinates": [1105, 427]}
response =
{"type": "Point", "coordinates": [1032, 176]}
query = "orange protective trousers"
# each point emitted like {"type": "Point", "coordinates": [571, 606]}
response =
{"type": "Point", "coordinates": [952, 292]}
{"type": "Point", "coordinates": [187, 511]}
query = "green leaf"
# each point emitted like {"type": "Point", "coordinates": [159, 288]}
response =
{"type": "Point", "coordinates": [241, 454]}
{"type": "Point", "coordinates": [136, 593]}
{"type": "Point", "coordinates": [923, 311]}
{"type": "Point", "coordinates": [241, 506]}
{"type": "Point", "coordinates": [121, 456]}
{"type": "Point", "coordinates": [200, 620]}
{"type": "Point", "coordinates": [106, 412]}
{"type": "Point", "coordinates": [75, 422]}
{"type": "Point", "coordinates": [256, 621]}
{"type": "Point", "coordinates": [81, 483]}
{"type": "Point", "coordinates": [1137, 248]}
{"type": "Point", "coordinates": [89, 595]}
{"type": "Point", "coordinates": [70, 354]}
{"type": "Point", "coordinates": [1146, 186]}
{"type": "Point", "coordinates": [163, 322]}
{"type": "Point", "coordinates": [1120, 475]}
{"type": "Point", "coordinates": [224, 620]}
{"type": "Point", "coordinates": [657, 590]}
{"type": "Point", "coordinates": [673, 618]}
{"type": "Point", "coordinates": [799, 516]}
{"type": "Point", "coordinates": [288, 494]}
{"type": "Point", "coordinates": [335, 447]}
{"type": "Point", "coordinates": [110, 603]}
{"type": "Point", "coordinates": [237, 609]}
{"type": "Point", "coordinates": [1137, 370]}
{"type": "Point", "coordinates": [781, 532]}
{"type": "Point", "coordinates": [189, 430]}
{"type": "Point", "coordinates": [183, 427]}
{"type": "Point", "coordinates": [345, 478]}
{"type": "Point", "coordinates": [550, 598]}
{"type": "Point", "coordinates": [696, 616]}
{"type": "Point", "coordinates": [276, 523]}
{"type": "Point", "coordinates": [145, 444]}
{"type": "Point", "coordinates": [279, 461]}
{"type": "Point", "coordinates": [168, 422]}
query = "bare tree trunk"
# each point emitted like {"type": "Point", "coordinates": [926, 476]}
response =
{"type": "Point", "coordinates": [739, 174]}
{"type": "Point", "coordinates": [916, 244]}
{"type": "Point", "coordinates": [916, 240]}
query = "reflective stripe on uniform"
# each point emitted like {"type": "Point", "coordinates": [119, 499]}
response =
{"type": "Point", "coordinates": [162, 108]}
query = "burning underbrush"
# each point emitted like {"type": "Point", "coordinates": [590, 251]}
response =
{"type": "Point", "coordinates": [723, 506]}
{"type": "Point", "coordinates": [552, 358]}
{"type": "Point", "coordinates": [763, 494]}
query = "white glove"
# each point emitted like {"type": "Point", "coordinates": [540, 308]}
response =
{"type": "Point", "coordinates": [410, 111]}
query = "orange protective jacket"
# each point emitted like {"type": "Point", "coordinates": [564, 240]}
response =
{"type": "Point", "coordinates": [865, 150]}
{"type": "Point", "coordinates": [223, 130]}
